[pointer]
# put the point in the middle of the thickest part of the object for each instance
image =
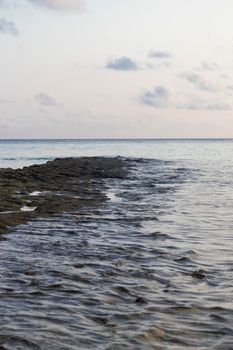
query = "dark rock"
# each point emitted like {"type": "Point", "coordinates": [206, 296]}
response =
{"type": "Point", "coordinates": [67, 185]}
{"type": "Point", "coordinates": [140, 300]}
{"type": "Point", "coordinates": [200, 274]}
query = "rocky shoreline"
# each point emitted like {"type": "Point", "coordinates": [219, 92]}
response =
{"type": "Point", "coordinates": [58, 186]}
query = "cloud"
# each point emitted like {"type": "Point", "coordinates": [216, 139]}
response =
{"type": "Point", "coordinates": [199, 82]}
{"type": "Point", "coordinates": [218, 106]}
{"type": "Point", "coordinates": [60, 4]}
{"type": "Point", "coordinates": [158, 66]}
{"type": "Point", "coordinates": [123, 63]}
{"type": "Point", "coordinates": [159, 54]}
{"type": "Point", "coordinates": [210, 66]}
{"type": "Point", "coordinates": [8, 27]}
{"type": "Point", "coordinates": [201, 104]}
{"type": "Point", "coordinates": [46, 100]}
{"type": "Point", "coordinates": [157, 98]}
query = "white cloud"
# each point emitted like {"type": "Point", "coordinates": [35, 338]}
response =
{"type": "Point", "coordinates": [8, 27]}
{"type": "Point", "coordinates": [210, 66]}
{"type": "Point", "coordinates": [122, 63]}
{"type": "Point", "coordinates": [159, 54]}
{"type": "Point", "coordinates": [199, 82]}
{"type": "Point", "coordinates": [202, 104]}
{"type": "Point", "coordinates": [60, 4]}
{"type": "Point", "coordinates": [158, 97]}
{"type": "Point", "coordinates": [46, 100]}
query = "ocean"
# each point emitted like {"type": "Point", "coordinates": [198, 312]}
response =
{"type": "Point", "coordinates": [151, 268]}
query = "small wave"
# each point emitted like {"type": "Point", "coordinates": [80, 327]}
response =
{"type": "Point", "coordinates": [26, 158]}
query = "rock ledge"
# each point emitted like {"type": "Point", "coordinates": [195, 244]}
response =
{"type": "Point", "coordinates": [61, 185]}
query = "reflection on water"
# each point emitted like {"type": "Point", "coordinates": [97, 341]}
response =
{"type": "Point", "coordinates": [150, 269]}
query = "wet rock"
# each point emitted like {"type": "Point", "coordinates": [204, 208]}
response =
{"type": "Point", "coordinates": [100, 319]}
{"type": "Point", "coordinates": [30, 273]}
{"type": "Point", "coordinates": [140, 300]}
{"type": "Point", "coordinates": [122, 290]}
{"type": "Point", "coordinates": [119, 263]}
{"type": "Point", "coordinates": [167, 288]}
{"type": "Point", "coordinates": [65, 185]}
{"type": "Point", "coordinates": [84, 243]}
{"type": "Point", "coordinates": [199, 274]}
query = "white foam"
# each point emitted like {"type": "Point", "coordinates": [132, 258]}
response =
{"type": "Point", "coordinates": [35, 194]}
{"type": "Point", "coordinates": [8, 212]}
{"type": "Point", "coordinates": [112, 196]}
{"type": "Point", "coordinates": [26, 208]}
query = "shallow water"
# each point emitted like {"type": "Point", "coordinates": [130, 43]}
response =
{"type": "Point", "coordinates": [151, 268]}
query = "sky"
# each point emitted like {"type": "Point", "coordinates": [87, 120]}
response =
{"type": "Point", "coordinates": [116, 68]}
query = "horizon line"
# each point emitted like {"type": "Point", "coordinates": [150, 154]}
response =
{"type": "Point", "coordinates": [116, 139]}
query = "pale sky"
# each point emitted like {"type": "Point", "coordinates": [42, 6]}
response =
{"type": "Point", "coordinates": [116, 68]}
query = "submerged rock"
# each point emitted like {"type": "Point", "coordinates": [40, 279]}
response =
{"type": "Point", "coordinates": [200, 274]}
{"type": "Point", "coordinates": [64, 185]}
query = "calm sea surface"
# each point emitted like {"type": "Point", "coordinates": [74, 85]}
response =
{"type": "Point", "coordinates": [152, 268]}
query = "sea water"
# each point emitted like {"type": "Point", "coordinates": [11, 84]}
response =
{"type": "Point", "coordinates": [18, 153]}
{"type": "Point", "coordinates": [151, 268]}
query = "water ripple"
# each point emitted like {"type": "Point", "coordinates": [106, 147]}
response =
{"type": "Point", "coordinates": [144, 271]}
